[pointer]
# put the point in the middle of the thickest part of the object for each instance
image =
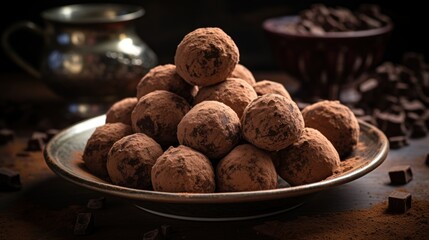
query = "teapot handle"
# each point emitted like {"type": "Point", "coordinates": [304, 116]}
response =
{"type": "Point", "coordinates": [9, 50]}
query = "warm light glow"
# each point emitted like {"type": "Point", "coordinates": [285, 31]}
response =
{"type": "Point", "coordinates": [67, 12]}
{"type": "Point", "coordinates": [126, 45]}
{"type": "Point", "coordinates": [77, 38]}
{"type": "Point", "coordinates": [73, 63]}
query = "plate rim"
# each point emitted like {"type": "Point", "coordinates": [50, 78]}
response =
{"type": "Point", "coordinates": [204, 198]}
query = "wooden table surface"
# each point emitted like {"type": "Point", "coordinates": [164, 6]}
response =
{"type": "Point", "coordinates": [46, 206]}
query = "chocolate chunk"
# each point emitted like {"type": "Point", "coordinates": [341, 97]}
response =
{"type": "Point", "coordinates": [427, 159]}
{"type": "Point", "coordinates": [152, 235]}
{"type": "Point", "coordinates": [399, 202]}
{"type": "Point", "coordinates": [96, 203]}
{"type": "Point", "coordinates": [9, 180]}
{"type": "Point", "coordinates": [165, 231]}
{"type": "Point", "coordinates": [391, 124]}
{"type": "Point", "coordinates": [415, 106]}
{"type": "Point", "coordinates": [51, 133]}
{"type": "Point", "coordinates": [6, 136]}
{"type": "Point", "coordinates": [418, 130]}
{"type": "Point", "coordinates": [414, 61]}
{"type": "Point", "coordinates": [400, 174]}
{"type": "Point", "coordinates": [22, 154]}
{"type": "Point", "coordinates": [36, 142]}
{"type": "Point", "coordinates": [84, 224]}
{"type": "Point", "coordinates": [398, 142]}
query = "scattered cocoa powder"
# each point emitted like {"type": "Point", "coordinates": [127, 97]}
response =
{"type": "Point", "coordinates": [372, 223]}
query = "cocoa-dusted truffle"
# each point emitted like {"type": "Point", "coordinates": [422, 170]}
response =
{"type": "Point", "coordinates": [98, 146]}
{"type": "Point", "coordinates": [272, 122]}
{"type": "Point", "coordinates": [165, 77]}
{"type": "Point", "coordinates": [336, 121]}
{"type": "Point", "coordinates": [206, 56]}
{"type": "Point", "coordinates": [157, 115]}
{"type": "Point", "coordinates": [310, 159]}
{"type": "Point", "coordinates": [246, 168]}
{"type": "Point", "coordinates": [234, 92]}
{"type": "Point", "coordinates": [121, 110]}
{"type": "Point", "coordinates": [266, 86]}
{"type": "Point", "coordinates": [182, 169]}
{"type": "Point", "coordinates": [242, 72]}
{"type": "Point", "coordinates": [210, 127]}
{"type": "Point", "coordinates": [130, 161]}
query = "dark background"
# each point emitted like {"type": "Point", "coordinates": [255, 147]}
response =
{"type": "Point", "coordinates": [167, 21]}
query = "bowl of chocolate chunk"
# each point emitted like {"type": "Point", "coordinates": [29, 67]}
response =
{"type": "Point", "coordinates": [326, 48]}
{"type": "Point", "coordinates": [221, 147]}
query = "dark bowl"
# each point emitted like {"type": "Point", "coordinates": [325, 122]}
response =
{"type": "Point", "coordinates": [325, 63]}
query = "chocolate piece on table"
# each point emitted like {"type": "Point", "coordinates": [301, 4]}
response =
{"type": "Point", "coordinates": [51, 133]}
{"type": "Point", "coordinates": [418, 130]}
{"type": "Point", "coordinates": [152, 235]}
{"type": "Point", "coordinates": [96, 203]}
{"type": "Point", "coordinates": [400, 174]}
{"type": "Point", "coordinates": [391, 124]}
{"type": "Point", "coordinates": [22, 154]}
{"type": "Point", "coordinates": [165, 231]}
{"type": "Point", "coordinates": [36, 142]}
{"type": "Point", "coordinates": [415, 106]}
{"type": "Point", "coordinates": [398, 142]}
{"type": "Point", "coordinates": [414, 61]}
{"type": "Point", "coordinates": [9, 180]}
{"type": "Point", "coordinates": [6, 135]}
{"type": "Point", "coordinates": [84, 224]}
{"type": "Point", "coordinates": [399, 202]}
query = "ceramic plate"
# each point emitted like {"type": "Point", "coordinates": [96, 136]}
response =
{"type": "Point", "coordinates": [63, 155]}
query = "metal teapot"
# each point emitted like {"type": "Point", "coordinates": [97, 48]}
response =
{"type": "Point", "coordinates": [91, 51]}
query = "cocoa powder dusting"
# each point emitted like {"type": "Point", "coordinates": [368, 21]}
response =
{"type": "Point", "coordinates": [372, 223]}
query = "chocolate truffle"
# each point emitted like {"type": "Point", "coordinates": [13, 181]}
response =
{"type": "Point", "coordinates": [242, 72]}
{"type": "Point", "coordinates": [130, 161]}
{"type": "Point", "coordinates": [272, 122]}
{"type": "Point", "coordinates": [165, 77]}
{"type": "Point", "coordinates": [182, 169]}
{"type": "Point", "coordinates": [336, 121]}
{"type": "Point", "coordinates": [246, 168]}
{"type": "Point", "coordinates": [234, 92]}
{"type": "Point", "coordinates": [157, 115]}
{"type": "Point", "coordinates": [266, 86]}
{"type": "Point", "coordinates": [210, 127]}
{"type": "Point", "coordinates": [310, 159]}
{"type": "Point", "coordinates": [206, 56]}
{"type": "Point", "coordinates": [121, 110]}
{"type": "Point", "coordinates": [98, 146]}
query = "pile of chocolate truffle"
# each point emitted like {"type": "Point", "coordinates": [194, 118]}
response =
{"type": "Point", "coordinates": [396, 99]}
{"type": "Point", "coordinates": [205, 125]}
{"type": "Point", "coordinates": [320, 19]}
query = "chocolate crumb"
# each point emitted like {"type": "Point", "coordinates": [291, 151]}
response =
{"type": "Point", "coordinates": [22, 154]}
{"type": "Point", "coordinates": [96, 203]}
{"type": "Point", "coordinates": [84, 224]}
{"type": "Point", "coordinates": [165, 231]}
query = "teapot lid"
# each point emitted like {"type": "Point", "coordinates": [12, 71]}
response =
{"type": "Point", "coordinates": [93, 13]}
